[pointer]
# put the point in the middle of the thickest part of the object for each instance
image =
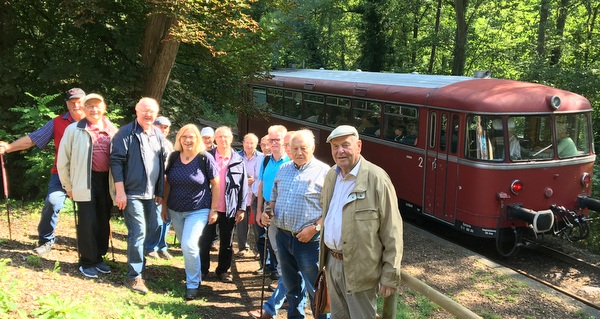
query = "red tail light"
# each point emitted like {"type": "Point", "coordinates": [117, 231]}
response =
{"type": "Point", "coordinates": [585, 179]}
{"type": "Point", "coordinates": [516, 187]}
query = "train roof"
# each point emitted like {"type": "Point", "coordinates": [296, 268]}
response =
{"type": "Point", "coordinates": [486, 95]}
{"type": "Point", "coordinates": [401, 79]}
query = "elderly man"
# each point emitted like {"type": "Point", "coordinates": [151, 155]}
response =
{"type": "Point", "coordinates": [231, 209]}
{"type": "Point", "coordinates": [208, 138]}
{"type": "Point", "coordinates": [252, 159]}
{"type": "Point", "coordinates": [156, 242]}
{"type": "Point", "coordinates": [83, 170]}
{"type": "Point", "coordinates": [52, 130]}
{"type": "Point", "coordinates": [361, 245]}
{"type": "Point", "coordinates": [297, 214]}
{"type": "Point", "coordinates": [137, 162]}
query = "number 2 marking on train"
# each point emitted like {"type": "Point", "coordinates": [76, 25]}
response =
{"type": "Point", "coordinates": [420, 162]}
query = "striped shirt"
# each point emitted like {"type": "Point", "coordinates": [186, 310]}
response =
{"type": "Point", "coordinates": [296, 193]}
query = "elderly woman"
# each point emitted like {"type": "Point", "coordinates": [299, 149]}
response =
{"type": "Point", "coordinates": [191, 190]}
{"type": "Point", "coordinates": [83, 163]}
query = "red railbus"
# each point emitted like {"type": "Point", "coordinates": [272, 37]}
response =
{"type": "Point", "coordinates": [490, 157]}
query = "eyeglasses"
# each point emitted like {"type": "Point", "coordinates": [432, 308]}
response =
{"type": "Point", "coordinates": [274, 140]}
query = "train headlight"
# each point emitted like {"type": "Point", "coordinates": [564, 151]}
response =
{"type": "Point", "coordinates": [585, 179]}
{"type": "Point", "coordinates": [516, 187]}
{"type": "Point", "coordinates": [555, 102]}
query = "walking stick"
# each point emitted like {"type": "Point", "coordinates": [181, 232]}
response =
{"type": "Point", "coordinates": [76, 227]}
{"type": "Point", "coordinates": [264, 261]}
{"type": "Point", "coordinates": [112, 246]}
{"type": "Point", "coordinates": [5, 182]}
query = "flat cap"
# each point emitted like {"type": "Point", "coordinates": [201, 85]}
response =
{"type": "Point", "coordinates": [342, 130]}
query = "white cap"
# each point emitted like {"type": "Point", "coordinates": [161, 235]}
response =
{"type": "Point", "coordinates": [161, 120]}
{"type": "Point", "coordinates": [92, 96]}
{"type": "Point", "coordinates": [207, 131]}
{"type": "Point", "coordinates": [342, 130]}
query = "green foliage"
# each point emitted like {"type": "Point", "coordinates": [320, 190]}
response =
{"type": "Point", "coordinates": [9, 294]}
{"type": "Point", "coordinates": [53, 306]}
{"type": "Point", "coordinates": [33, 260]}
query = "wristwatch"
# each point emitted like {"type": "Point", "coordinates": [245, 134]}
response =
{"type": "Point", "coordinates": [214, 210]}
{"type": "Point", "coordinates": [317, 227]}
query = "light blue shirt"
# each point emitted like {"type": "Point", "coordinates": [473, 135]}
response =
{"type": "Point", "coordinates": [267, 175]}
{"type": "Point", "coordinates": [296, 193]}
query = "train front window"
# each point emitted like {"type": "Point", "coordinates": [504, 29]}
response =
{"type": "Point", "coordinates": [572, 135]}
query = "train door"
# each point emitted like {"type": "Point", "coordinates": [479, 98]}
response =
{"type": "Point", "coordinates": [440, 172]}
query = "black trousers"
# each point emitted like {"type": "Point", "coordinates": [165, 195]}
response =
{"type": "Point", "coordinates": [93, 226]}
{"type": "Point", "coordinates": [225, 225]}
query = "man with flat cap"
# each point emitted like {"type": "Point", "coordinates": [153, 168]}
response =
{"type": "Point", "coordinates": [361, 242]}
{"type": "Point", "coordinates": [55, 199]}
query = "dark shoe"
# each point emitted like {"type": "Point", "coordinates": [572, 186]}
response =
{"type": "Point", "coordinates": [261, 270]}
{"type": "Point", "coordinates": [43, 248]}
{"type": "Point", "coordinates": [137, 285]}
{"type": "Point", "coordinates": [165, 255]}
{"type": "Point", "coordinates": [153, 255]}
{"type": "Point", "coordinates": [243, 253]}
{"type": "Point", "coordinates": [102, 268]}
{"type": "Point", "coordinates": [225, 277]}
{"type": "Point", "coordinates": [191, 294]}
{"type": "Point", "coordinates": [275, 275]}
{"type": "Point", "coordinates": [89, 272]}
{"type": "Point", "coordinates": [258, 314]}
{"type": "Point", "coordinates": [273, 286]}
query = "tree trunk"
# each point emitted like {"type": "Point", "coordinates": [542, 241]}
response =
{"type": "Point", "coordinates": [543, 25]}
{"type": "Point", "coordinates": [563, 12]}
{"type": "Point", "coordinates": [436, 31]}
{"type": "Point", "coordinates": [460, 43]}
{"type": "Point", "coordinates": [590, 30]}
{"type": "Point", "coordinates": [158, 53]}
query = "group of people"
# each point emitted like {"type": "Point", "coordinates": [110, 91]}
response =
{"type": "Point", "coordinates": [344, 219]}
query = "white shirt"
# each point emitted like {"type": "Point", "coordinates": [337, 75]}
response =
{"type": "Point", "coordinates": [332, 226]}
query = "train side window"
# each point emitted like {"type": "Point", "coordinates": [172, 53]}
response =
{"type": "Point", "coordinates": [454, 138]}
{"type": "Point", "coordinates": [292, 104]}
{"type": "Point", "coordinates": [367, 117]}
{"type": "Point", "coordinates": [338, 111]}
{"type": "Point", "coordinates": [314, 108]}
{"type": "Point", "coordinates": [259, 98]}
{"type": "Point", "coordinates": [443, 132]}
{"type": "Point", "coordinates": [432, 128]}
{"type": "Point", "coordinates": [275, 100]}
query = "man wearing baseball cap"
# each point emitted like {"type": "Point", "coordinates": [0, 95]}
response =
{"type": "Point", "coordinates": [361, 241]}
{"type": "Point", "coordinates": [52, 130]}
{"type": "Point", "coordinates": [208, 137]}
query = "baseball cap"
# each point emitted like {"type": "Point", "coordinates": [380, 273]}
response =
{"type": "Point", "coordinates": [161, 120]}
{"type": "Point", "coordinates": [74, 93]}
{"type": "Point", "coordinates": [342, 130]}
{"type": "Point", "coordinates": [92, 96]}
{"type": "Point", "coordinates": [207, 131]}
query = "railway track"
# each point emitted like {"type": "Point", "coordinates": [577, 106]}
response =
{"type": "Point", "coordinates": [550, 267]}
{"type": "Point", "coordinates": [564, 258]}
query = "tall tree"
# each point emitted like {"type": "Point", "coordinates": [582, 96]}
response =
{"type": "Point", "coordinates": [460, 40]}
{"type": "Point", "coordinates": [542, 27]}
{"type": "Point", "coordinates": [563, 12]}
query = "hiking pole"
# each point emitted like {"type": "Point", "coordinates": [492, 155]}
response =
{"type": "Point", "coordinates": [5, 182]}
{"type": "Point", "coordinates": [112, 246]}
{"type": "Point", "coordinates": [76, 227]}
{"type": "Point", "coordinates": [267, 211]}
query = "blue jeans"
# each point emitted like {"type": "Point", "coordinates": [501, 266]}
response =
{"type": "Point", "coordinates": [55, 201]}
{"type": "Point", "coordinates": [274, 303]}
{"type": "Point", "coordinates": [157, 236]}
{"type": "Point", "coordinates": [299, 267]}
{"type": "Point", "coordinates": [138, 215]}
{"type": "Point", "coordinates": [188, 227]}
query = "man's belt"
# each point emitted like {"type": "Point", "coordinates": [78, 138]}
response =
{"type": "Point", "coordinates": [291, 233]}
{"type": "Point", "coordinates": [336, 255]}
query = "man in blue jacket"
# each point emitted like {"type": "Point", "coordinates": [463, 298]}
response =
{"type": "Point", "coordinates": [137, 160]}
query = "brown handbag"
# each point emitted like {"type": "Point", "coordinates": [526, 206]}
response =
{"type": "Point", "coordinates": [322, 304]}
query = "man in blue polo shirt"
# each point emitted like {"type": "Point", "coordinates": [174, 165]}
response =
{"type": "Point", "coordinates": [266, 177]}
